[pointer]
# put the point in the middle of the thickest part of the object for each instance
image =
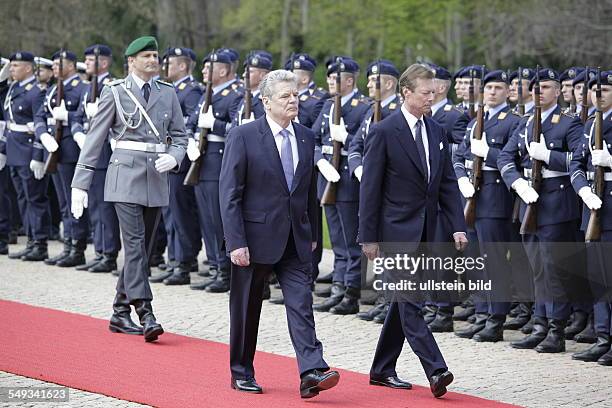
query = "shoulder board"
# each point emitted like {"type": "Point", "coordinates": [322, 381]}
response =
{"type": "Point", "coordinates": [234, 87]}
{"type": "Point", "coordinates": [392, 106]}
{"type": "Point", "coordinates": [74, 82]}
{"type": "Point", "coordinates": [182, 86]}
{"type": "Point", "coordinates": [159, 81]}
{"type": "Point", "coordinates": [116, 82]}
{"type": "Point", "coordinates": [28, 87]}
{"type": "Point", "coordinates": [502, 115]}
{"type": "Point", "coordinates": [355, 102]}
{"type": "Point", "coordinates": [225, 92]}
{"type": "Point", "coordinates": [555, 118]}
{"type": "Point", "coordinates": [85, 81]}
{"type": "Point", "coordinates": [315, 96]}
{"type": "Point", "coordinates": [41, 87]}
{"type": "Point", "coordinates": [448, 108]}
{"type": "Point", "coordinates": [304, 97]}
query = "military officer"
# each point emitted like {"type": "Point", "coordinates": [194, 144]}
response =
{"type": "Point", "coordinates": [567, 88]}
{"type": "Point", "coordinates": [53, 113]}
{"type": "Point", "coordinates": [342, 217]}
{"type": "Point", "coordinates": [44, 71]}
{"type": "Point", "coordinates": [464, 77]}
{"type": "Point", "coordinates": [147, 123]}
{"type": "Point", "coordinates": [578, 84]}
{"type": "Point", "coordinates": [526, 75]}
{"type": "Point", "coordinates": [20, 150]}
{"type": "Point", "coordinates": [102, 214]}
{"type": "Point", "coordinates": [312, 98]}
{"type": "Point", "coordinates": [259, 65]}
{"type": "Point", "coordinates": [217, 119]}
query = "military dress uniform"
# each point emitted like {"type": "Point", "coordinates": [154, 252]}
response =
{"type": "Point", "coordinates": [257, 108]}
{"type": "Point", "coordinates": [23, 152]}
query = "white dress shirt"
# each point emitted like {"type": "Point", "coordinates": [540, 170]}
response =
{"type": "Point", "coordinates": [412, 121]}
{"type": "Point", "coordinates": [278, 139]}
{"type": "Point", "coordinates": [140, 82]}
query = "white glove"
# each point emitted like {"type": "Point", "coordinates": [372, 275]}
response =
{"type": "Point", "coordinates": [192, 150]}
{"type": "Point", "coordinates": [91, 108]}
{"type": "Point", "coordinates": [328, 171]}
{"type": "Point", "coordinates": [165, 162]}
{"type": "Point", "coordinates": [4, 73]}
{"type": "Point", "coordinates": [244, 121]}
{"type": "Point", "coordinates": [2, 160]}
{"type": "Point", "coordinates": [338, 133]}
{"type": "Point", "coordinates": [49, 142]}
{"type": "Point", "coordinates": [466, 187]}
{"type": "Point", "coordinates": [206, 120]}
{"type": "Point", "coordinates": [480, 147]}
{"type": "Point", "coordinates": [79, 138]}
{"type": "Point", "coordinates": [525, 191]}
{"type": "Point", "coordinates": [590, 199]}
{"type": "Point", "coordinates": [38, 168]}
{"type": "Point", "coordinates": [79, 201]}
{"type": "Point", "coordinates": [60, 113]}
{"type": "Point", "coordinates": [539, 151]}
{"type": "Point", "coordinates": [601, 158]}
{"type": "Point", "coordinates": [113, 143]}
{"type": "Point", "coordinates": [358, 173]}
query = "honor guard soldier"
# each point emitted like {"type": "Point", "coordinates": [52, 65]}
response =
{"type": "Point", "coordinates": [23, 154]}
{"type": "Point", "coordinates": [259, 65]}
{"type": "Point", "coordinates": [55, 113]}
{"type": "Point", "coordinates": [311, 97]}
{"type": "Point", "coordinates": [234, 61]}
{"type": "Point", "coordinates": [494, 202]}
{"type": "Point", "coordinates": [583, 177]}
{"type": "Point", "coordinates": [526, 75]}
{"type": "Point", "coordinates": [342, 216]}
{"type": "Point", "coordinates": [557, 207]}
{"type": "Point", "coordinates": [106, 238]}
{"type": "Point", "coordinates": [578, 84]}
{"type": "Point", "coordinates": [146, 121]}
{"type": "Point", "coordinates": [44, 71]}
{"type": "Point", "coordinates": [224, 103]}
{"type": "Point", "coordinates": [567, 88]}
{"type": "Point", "coordinates": [464, 77]}
{"type": "Point", "coordinates": [181, 216]}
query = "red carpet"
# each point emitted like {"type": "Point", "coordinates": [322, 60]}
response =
{"type": "Point", "coordinates": [177, 371]}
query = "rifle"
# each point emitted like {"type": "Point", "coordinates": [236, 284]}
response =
{"type": "Point", "coordinates": [377, 116]}
{"type": "Point", "coordinates": [530, 219]}
{"type": "Point", "coordinates": [331, 189]}
{"type": "Point", "coordinates": [166, 66]}
{"type": "Point", "coordinates": [94, 77]}
{"type": "Point", "coordinates": [520, 105]}
{"type": "Point", "coordinates": [53, 158]}
{"type": "Point", "coordinates": [471, 109]}
{"type": "Point", "coordinates": [593, 231]}
{"type": "Point", "coordinates": [248, 95]}
{"type": "Point", "coordinates": [193, 174]}
{"type": "Point", "coordinates": [469, 211]}
{"type": "Point", "coordinates": [584, 111]}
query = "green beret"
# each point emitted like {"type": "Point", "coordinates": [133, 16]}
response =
{"type": "Point", "coordinates": [146, 43]}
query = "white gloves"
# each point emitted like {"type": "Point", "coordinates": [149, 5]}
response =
{"type": "Point", "coordinates": [91, 108]}
{"type": "Point", "coordinates": [79, 201]}
{"type": "Point", "coordinates": [79, 138]}
{"type": "Point", "coordinates": [60, 113]}
{"type": "Point", "coordinates": [244, 121]}
{"type": "Point", "coordinates": [590, 199]}
{"type": "Point", "coordinates": [539, 151]}
{"type": "Point", "coordinates": [480, 147]}
{"type": "Point", "coordinates": [328, 171]}
{"type": "Point", "coordinates": [525, 191]}
{"type": "Point", "coordinates": [113, 143]}
{"type": "Point", "coordinates": [38, 168]}
{"type": "Point", "coordinates": [192, 149]}
{"type": "Point", "coordinates": [466, 187]}
{"type": "Point", "coordinates": [4, 73]}
{"type": "Point", "coordinates": [49, 142]}
{"type": "Point", "coordinates": [165, 162]}
{"type": "Point", "coordinates": [601, 158]}
{"type": "Point", "coordinates": [358, 173]}
{"type": "Point", "coordinates": [206, 120]}
{"type": "Point", "coordinates": [2, 160]}
{"type": "Point", "coordinates": [338, 133]}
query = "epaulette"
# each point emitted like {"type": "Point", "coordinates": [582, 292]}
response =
{"type": "Point", "coordinates": [41, 86]}
{"type": "Point", "coordinates": [159, 81]}
{"type": "Point", "coordinates": [75, 82]}
{"type": "Point", "coordinates": [116, 82]}
{"type": "Point", "coordinates": [304, 97]}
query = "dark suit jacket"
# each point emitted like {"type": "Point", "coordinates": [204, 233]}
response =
{"type": "Point", "coordinates": [396, 203]}
{"type": "Point", "coordinates": [257, 208]}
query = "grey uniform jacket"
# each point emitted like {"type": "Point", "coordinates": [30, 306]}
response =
{"type": "Point", "coordinates": [131, 176]}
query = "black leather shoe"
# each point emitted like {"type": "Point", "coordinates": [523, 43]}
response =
{"type": "Point", "coordinates": [555, 339]}
{"type": "Point", "coordinates": [325, 278]}
{"type": "Point", "coordinates": [221, 283]}
{"type": "Point", "coordinates": [382, 316]}
{"type": "Point", "coordinates": [528, 327]}
{"type": "Point", "coordinates": [606, 359]}
{"type": "Point", "coordinates": [250, 386]}
{"type": "Point", "coordinates": [443, 322]}
{"type": "Point", "coordinates": [180, 276]}
{"type": "Point", "coordinates": [76, 257]}
{"type": "Point", "coordinates": [91, 263]}
{"type": "Point", "coordinates": [540, 329]}
{"type": "Point", "coordinates": [370, 314]}
{"type": "Point", "coordinates": [391, 382]}
{"type": "Point", "coordinates": [472, 329]}
{"type": "Point", "coordinates": [107, 264]}
{"type": "Point", "coordinates": [151, 329]}
{"type": "Point", "coordinates": [464, 314]}
{"type": "Point", "coordinates": [337, 293]}
{"type": "Point", "coordinates": [493, 330]}
{"type": "Point", "coordinates": [429, 313]}
{"type": "Point", "coordinates": [579, 323]}
{"type": "Point", "coordinates": [521, 318]}
{"type": "Point", "coordinates": [349, 303]}
{"type": "Point", "coordinates": [65, 252]}
{"type": "Point", "coordinates": [596, 351]}
{"type": "Point", "coordinates": [316, 381]}
{"type": "Point", "coordinates": [324, 293]}
{"type": "Point", "coordinates": [38, 253]}
{"type": "Point", "coordinates": [160, 277]}
{"type": "Point", "coordinates": [3, 247]}
{"type": "Point", "coordinates": [279, 300]}
{"type": "Point", "coordinates": [202, 285]}
{"type": "Point", "coordinates": [439, 382]}
{"type": "Point", "coordinates": [121, 321]}
{"type": "Point", "coordinates": [588, 334]}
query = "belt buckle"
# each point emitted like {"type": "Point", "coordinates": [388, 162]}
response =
{"type": "Point", "coordinates": [150, 147]}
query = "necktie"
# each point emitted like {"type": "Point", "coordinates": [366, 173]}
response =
{"type": "Point", "coordinates": [146, 91]}
{"type": "Point", "coordinates": [418, 138]}
{"type": "Point", "coordinates": [486, 117]}
{"type": "Point", "coordinates": [287, 157]}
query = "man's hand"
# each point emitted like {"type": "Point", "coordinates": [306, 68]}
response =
{"type": "Point", "coordinates": [370, 250]}
{"type": "Point", "coordinates": [539, 151]}
{"type": "Point", "coordinates": [525, 191]}
{"type": "Point", "coordinates": [338, 133]}
{"type": "Point", "coordinates": [240, 256]}
{"type": "Point", "coordinates": [49, 142]}
{"type": "Point", "coordinates": [601, 158]}
{"type": "Point", "coordinates": [480, 147]}
{"type": "Point", "coordinates": [79, 202]}
{"type": "Point", "coordinates": [206, 120]}
{"type": "Point", "coordinates": [193, 152]}
{"type": "Point", "coordinates": [328, 171]}
{"type": "Point", "coordinates": [466, 187]}
{"type": "Point", "coordinates": [358, 173]}
{"type": "Point", "coordinates": [79, 138]}
{"type": "Point", "coordinates": [60, 113]}
{"type": "Point", "coordinates": [461, 241]}
{"type": "Point", "coordinates": [38, 168]}
{"type": "Point", "coordinates": [313, 246]}
{"type": "Point", "coordinates": [244, 121]}
{"type": "Point", "coordinates": [590, 199]}
{"type": "Point", "coordinates": [2, 160]}
{"type": "Point", "coordinates": [165, 162]}
{"type": "Point", "coordinates": [91, 108]}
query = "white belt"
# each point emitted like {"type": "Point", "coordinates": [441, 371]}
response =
{"type": "Point", "coordinates": [546, 173]}
{"type": "Point", "coordinates": [51, 122]}
{"type": "Point", "coordinates": [141, 146]}
{"type": "Point", "coordinates": [15, 127]}
{"type": "Point", "coordinates": [215, 138]}
{"type": "Point", "coordinates": [591, 176]}
{"type": "Point", "coordinates": [327, 149]}
{"type": "Point", "coordinates": [469, 164]}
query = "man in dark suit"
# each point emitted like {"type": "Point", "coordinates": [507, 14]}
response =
{"type": "Point", "coordinates": [267, 191]}
{"type": "Point", "coordinates": [407, 175]}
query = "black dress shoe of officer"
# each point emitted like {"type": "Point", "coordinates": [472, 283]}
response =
{"type": "Point", "coordinates": [337, 294]}
{"type": "Point", "coordinates": [76, 257]}
{"type": "Point", "coordinates": [249, 385]}
{"type": "Point", "coordinates": [370, 314]}
{"type": "Point", "coordinates": [493, 330]}
{"type": "Point", "coordinates": [596, 351]}
{"type": "Point", "coordinates": [65, 252]}
{"type": "Point", "coordinates": [540, 329]}
{"type": "Point", "coordinates": [579, 322]}
{"type": "Point", "coordinates": [588, 334]}
{"type": "Point", "coordinates": [555, 339]}
{"type": "Point", "coordinates": [121, 321]}
{"type": "Point", "coordinates": [438, 383]}
{"type": "Point", "coordinates": [391, 382]}
{"type": "Point", "coordinates": [221, 283]}
{"type": "Point", "coordinates": [202, 285]}
{"type": "Point", "coordinates": [528, 327]}
{"type": "Point", "coordinates": [382, 316]}
{"type": "Point", "coordinates": [325, 279]}
{"type": "Point", "coordinates": [91, 263]}
{"type": "Point", "coordinates": [316, 381]}
{"type": "Point", "coordinates": [443, 322]}
{"type": "Point", "coordinates": [606, 359]}
{"type": "Point", "coordinates": [38, 252]}
{"type": "Point", "coordinates": [472, 329]}
{"type": "Point", "coordinates": [151, 329]}
{"type": "Point", "coordinates": [464, 314]}
{"type": "Point", "coordinates": [180, 276]}
{"type": "Point", "coordinates": [160, 277]}
{"type": "Point", "coordinates": [349, 303]}
{"type": "Point", "coordinates": [107, 264]}
{"type": "Point", "coordinates": [324, 293]}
